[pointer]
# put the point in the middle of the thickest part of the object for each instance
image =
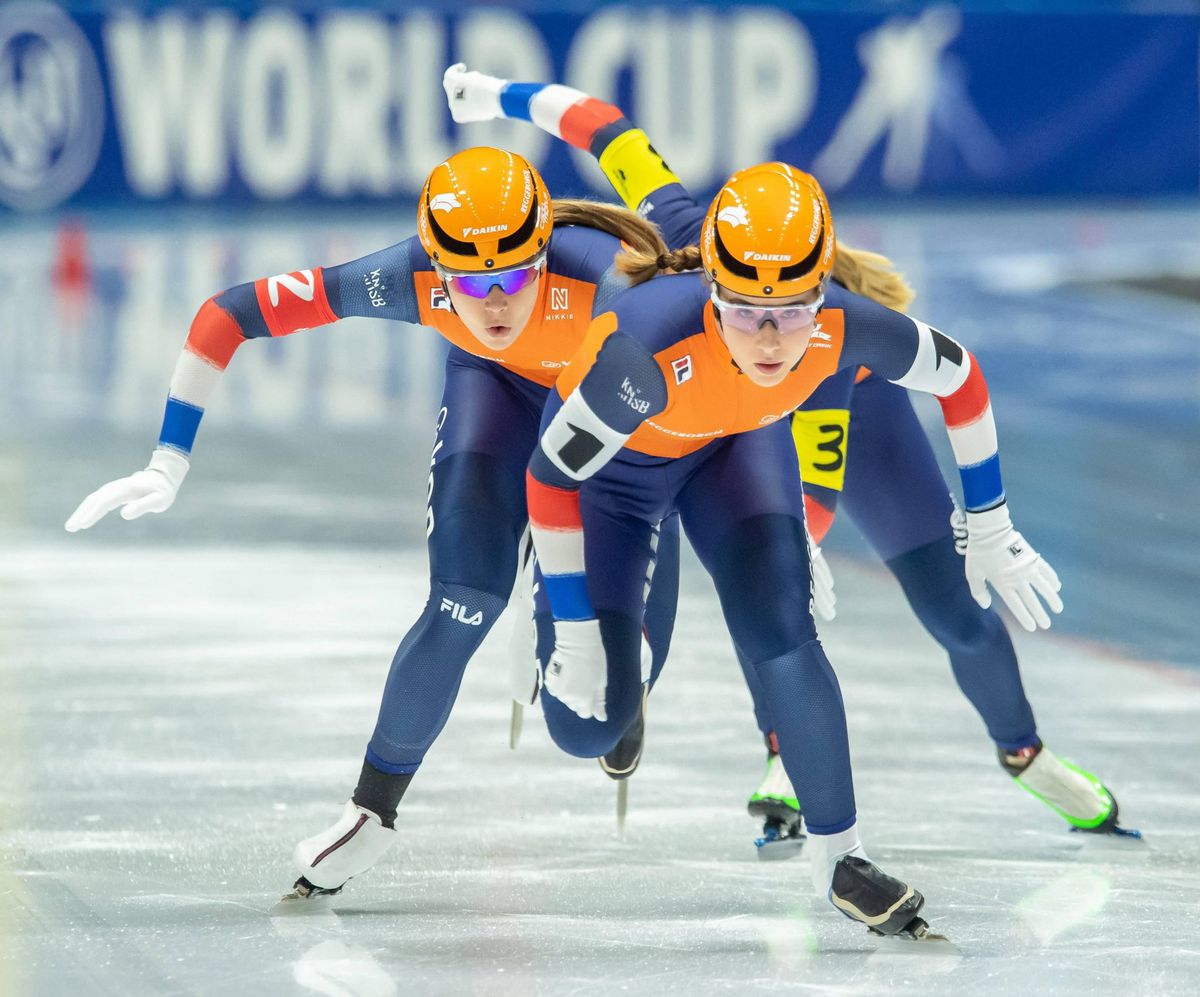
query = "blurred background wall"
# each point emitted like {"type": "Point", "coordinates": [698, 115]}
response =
{"type": "Point", "coordinates": [146, 103]}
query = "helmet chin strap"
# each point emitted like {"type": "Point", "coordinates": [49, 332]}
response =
{"type": "Point", "coordinates": [449, 300]}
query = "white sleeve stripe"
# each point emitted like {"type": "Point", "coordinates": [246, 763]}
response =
{"type": "Point", "coordinates": [975, 442]}
{"type": "Point", "coordinates": [926, 374]}
{"type": "Point", "coordinates": [194, 379]}
{"type": "Point", "coordinates": [571, 439]}
{"type": "Point", "coordinates": [549, 104]}
{"type": "Point", "coordinates": [560, 552]}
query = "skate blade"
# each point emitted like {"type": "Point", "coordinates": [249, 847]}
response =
{"type": "Point", "coordinates": [299, 903]}
{"type": "Point", "coordinates": [514, 726]}
{"type": "Point", "coordinates": [1116, 831]}
{"type": "Point", "coordinates": [917, 930]}
{"type": "Point", "coordinates": [778, 850]}
{"type": "Point", "coordinates": [622, 805]}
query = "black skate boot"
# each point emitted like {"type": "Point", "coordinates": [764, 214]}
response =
{"type": "Point", "coordinates": [620, 763]}
{"type": "Point", "coordinates": [864, 892]}
{"type": "Point", "coordinates": [623, 760]}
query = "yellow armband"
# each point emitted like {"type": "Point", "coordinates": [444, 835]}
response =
{"type": "Point", "coordinates": [633, 167]}
{"type": "Point", "coordinates": [820, 437]}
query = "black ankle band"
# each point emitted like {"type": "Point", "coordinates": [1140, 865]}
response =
{"type": "Point", "coordinates": [381, 792]}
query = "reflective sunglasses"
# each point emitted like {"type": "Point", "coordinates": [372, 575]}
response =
{"type": "Point", "coordinates": [751, 318]}
{"type": "Point", "coordinates": [479, 285]}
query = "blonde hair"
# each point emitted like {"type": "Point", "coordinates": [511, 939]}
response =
{"type": "Point", "coordinates": [870, 274]}
{"type": "Point", "coordinates": [637, 234]}
{"type": "Point", "coordinates": [873, 276]}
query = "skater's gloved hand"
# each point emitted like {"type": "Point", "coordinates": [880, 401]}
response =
{"type": "Point", "coordinates": [472, 96]}
{"type": "Point", "coordinates": [577, 675]}
{"type": "Point", "coordinates": [823, 597]}
{"type": "Point", "coordinates": [998, 555]}
{"type": "Point", "coordinates": [151, 490]}
{"type": "Point", "coordinates": [524, 670]}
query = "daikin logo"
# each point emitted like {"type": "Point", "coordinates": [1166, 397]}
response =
{"type": "Point", "coordinates": [763, 257]}
{"type": "Point", "coordinates": [52, 105]}
{"type": "Point", "coordinates": [458, 612]}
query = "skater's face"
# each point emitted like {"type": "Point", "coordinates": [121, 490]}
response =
{"type": "Point", "coordinates": [766, 336]}
{"type": "Point", "coordinates": [496, 307]}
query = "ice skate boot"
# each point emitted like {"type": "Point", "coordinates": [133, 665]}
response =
{"type": "Point", "coordinates": [623, 760]}
{"type": "Point", "coordinates": [775, 804]}
{"type": "Point", "coordinates": [327, 860]}
{"type": "Point", "coordinates": [865, 893]}
{"type": "Point", "coordinates": [844, 874]}
{"type": "Point", "coordinates": [620, 763]}
{"type": "Point", "coordinates": [1076, 795]}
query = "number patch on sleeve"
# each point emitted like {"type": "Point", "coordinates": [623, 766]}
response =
{"type": "Point", "coordinates": [820, 437]}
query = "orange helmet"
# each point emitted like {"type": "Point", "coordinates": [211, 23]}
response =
{"type": "Point", "coordinates": [768, 232]}
{"type": "Point", "coordinates": [484, 209]}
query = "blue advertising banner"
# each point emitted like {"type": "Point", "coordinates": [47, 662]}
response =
{"type": "Point", "coordinates": [217, 105]}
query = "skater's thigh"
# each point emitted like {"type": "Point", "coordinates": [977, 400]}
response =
{"type": "Point", "coordinates": [894, 489]}
{"type": "Point", "coordinates": [743, 512]}
{"type": "Point", "coordinates": [486, 430]}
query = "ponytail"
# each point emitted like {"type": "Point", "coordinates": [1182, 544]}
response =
{"type": "Point", "coordinates": [873, 276]}
{"type": "Point", "coordinates": [645, 253]}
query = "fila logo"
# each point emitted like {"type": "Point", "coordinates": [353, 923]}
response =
{"type": "Point", "coordinates": [443, 202]}
{"type": "Point", "coordinates": [682, 368]}
{"type": "Point", "coordinates": [302, 284]}
{"type": "Point", "coordinates": [439, 300]}
{"type": "Point", "coordinates": [558, 298]}
{"type": "Point", "coordinates": [735, 215]}
{"type": "Point", "coordinates": [458, 612]}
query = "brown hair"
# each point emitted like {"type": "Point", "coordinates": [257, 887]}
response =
{"type": "Point", "coordinates": [870, 274]}
{"type": "Point", "coordinates": [640, 237]}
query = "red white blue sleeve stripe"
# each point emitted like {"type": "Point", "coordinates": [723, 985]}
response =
{"type": "Point", "coordinates": [945, 369]}
{"type": "Point", "coordinates": [274, 306]}
{"type": "Point", "coordinates": [564, 112]}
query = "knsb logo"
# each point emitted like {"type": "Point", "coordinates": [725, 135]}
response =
{"type": "Point", "coordinates": [734, 216]}
{"type": "Point", "coordinates": [458, 612]}
{"type": "Point", "coordinates": [443, 202]}
{"type": "Point", "coordinates": [53, 106]}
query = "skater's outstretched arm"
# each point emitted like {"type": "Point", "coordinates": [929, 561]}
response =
{"type": "Point", "coordinates": [378, 285]}
{"type": "Point", "coordinates": [631, 164]}
{"type": "Point", "coordinates": [914, 355]}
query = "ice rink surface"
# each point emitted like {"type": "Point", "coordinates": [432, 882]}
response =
{"type": "Point", "coordinates": [184, 697]}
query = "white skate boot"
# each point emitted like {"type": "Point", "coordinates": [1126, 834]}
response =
{"type": "Point", "coordinates": [327, 860]}
{"type": "Point", "coordinates": [1071, 791]}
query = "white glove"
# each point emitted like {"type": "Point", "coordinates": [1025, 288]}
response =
{"type": "Point", "coordinates": [472, 96]}
{"type": "Point", "coordinates": [998, 554]}
{"type": "Point", "coordinates": [578, 673]}
{"type": "Point", "coordinates": [823, 597]}
{"type": "Point", "coordinates": [524, 670]}
{"type": "Point", "coordinates": [151, 490]}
